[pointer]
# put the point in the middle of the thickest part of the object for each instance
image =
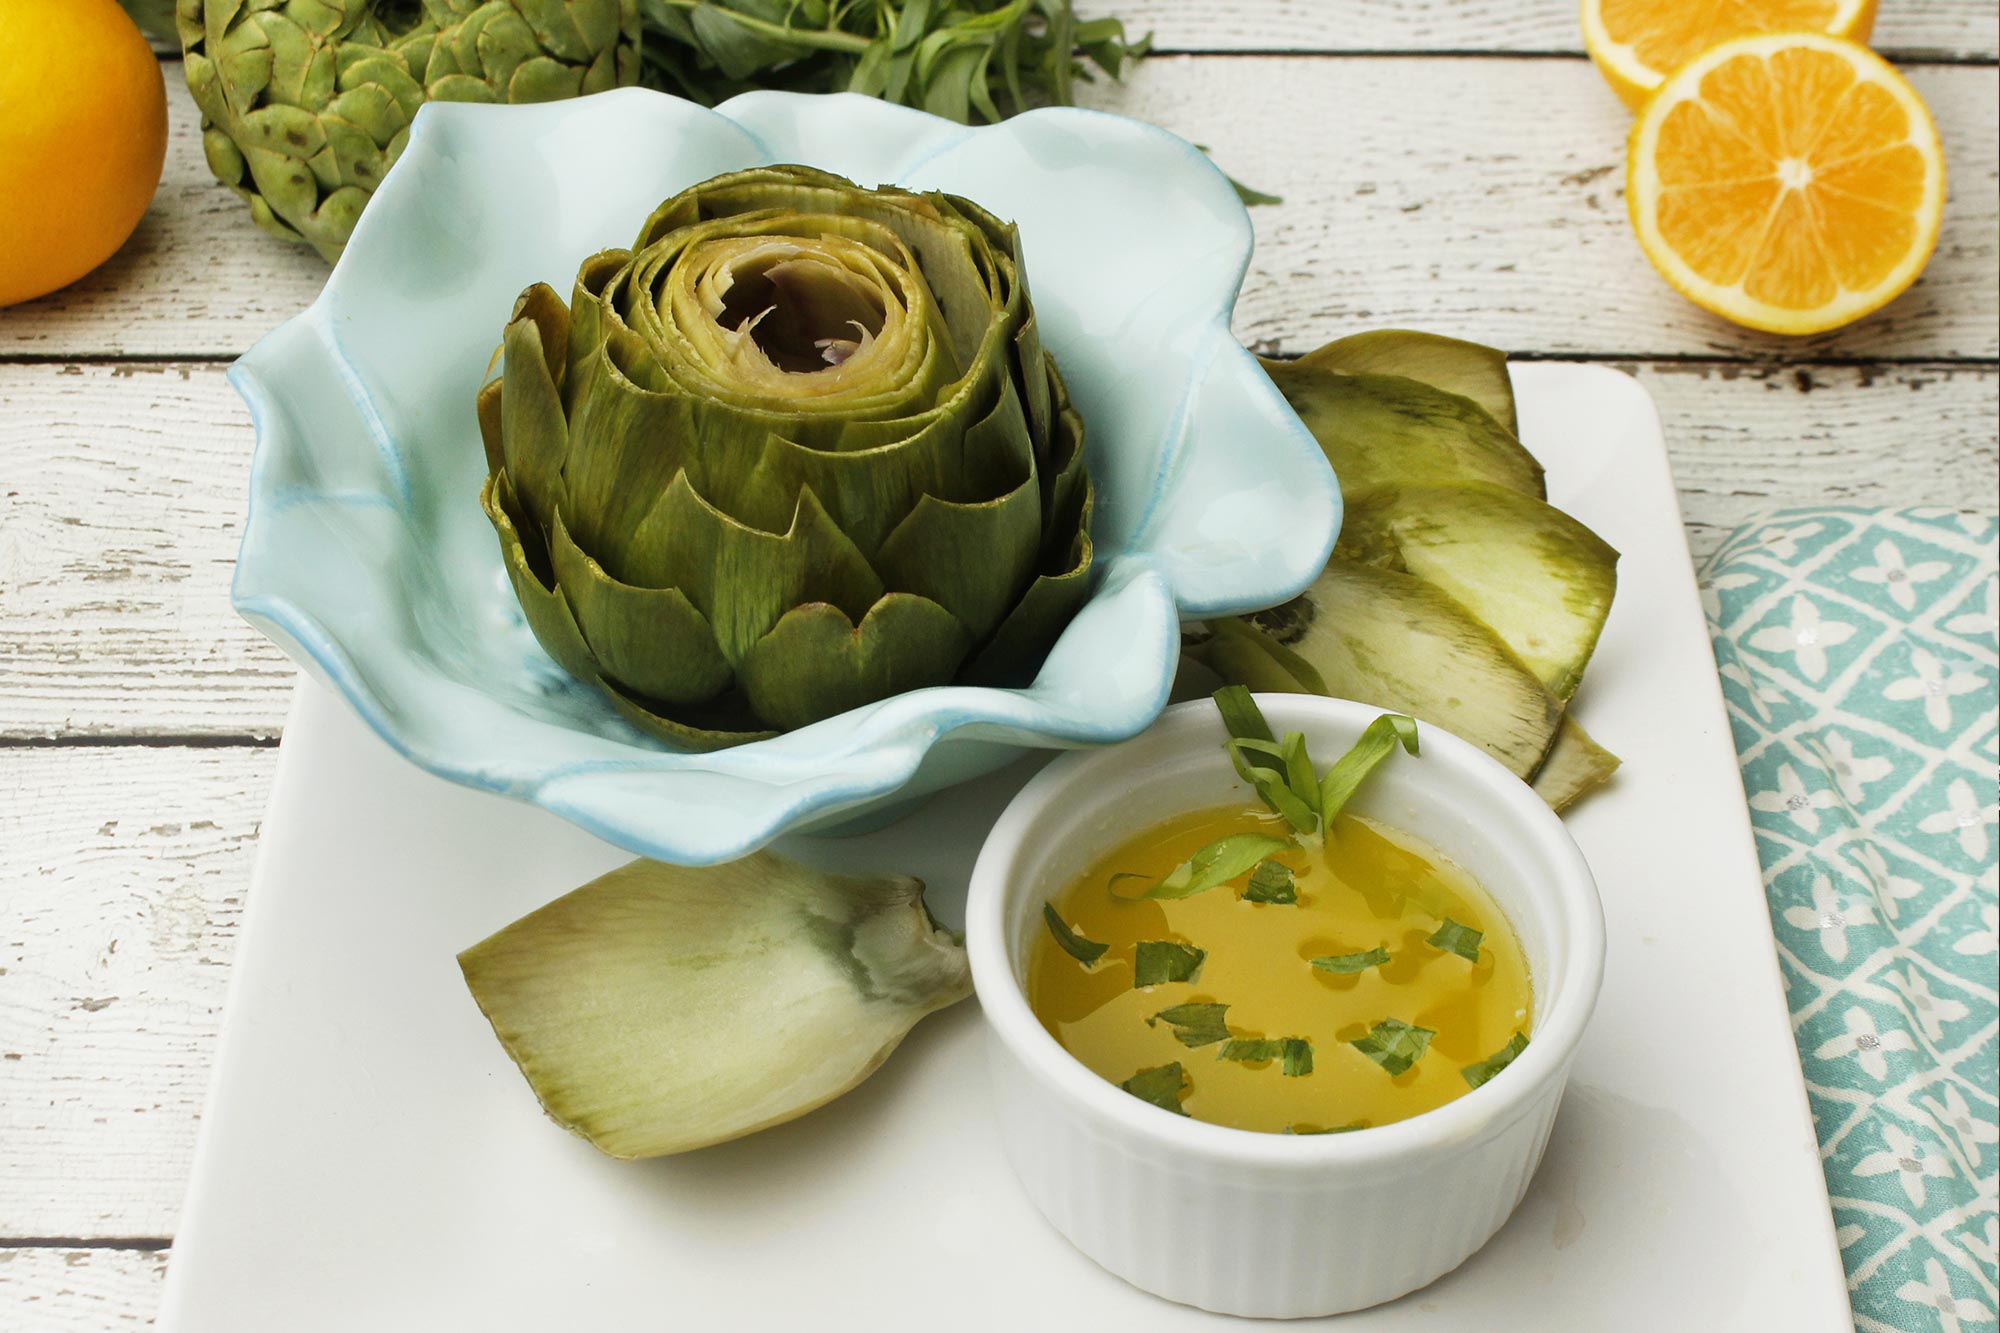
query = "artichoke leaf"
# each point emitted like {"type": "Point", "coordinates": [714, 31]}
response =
{"type": "Point", "coordinates": [1017, 649]}
{"type": "Point", "coordinates": [1574, 766]}
{"type": "Point", "coordinates": [1238, 653]}
{"type": "Point", "coordinates": [1381, 430]}
{"type": "Point", "coordinates": [491, 432]}
{"type": "Point", "coordinates": [662, 1008]}
{"type": "Point", "coordinates": [551, 317]}
{"type": "Point", "coordinates": [1392, 640]}
{"type": "Point", "coordinates": [743, 578]}
{"type": "Point", "coordinates": [1451, 364]}
{"type": "Point", "coordinates": [626, 446]}
{"type": "Point", "coordinates": [1532, 574]}
{"type": "Point", "coordinates": [544, 605]}
{"type": "Point", "coordinates": [971, 559]}
{"type": "Point", "coordinates": [548, 613]}
{"type": "Point", "coordinates": [650, 641]}
{"type": "Point", "coordinates": [816, 662]}
{"type": "Point", "coordinates": [534, 435]}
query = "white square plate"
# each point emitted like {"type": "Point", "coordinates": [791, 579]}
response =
{"type": "Point", "coordinates": [370, 1160]}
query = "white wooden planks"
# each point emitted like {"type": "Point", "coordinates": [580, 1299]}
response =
{"type": "Point", "coordinates": [54, 1289]}
{"type": "Point", "coordinates": [1949, 29]}
{"type": "Point", "coordinates": [125, 869]}
{"type": "Point", "coordinates": [1482, 196]}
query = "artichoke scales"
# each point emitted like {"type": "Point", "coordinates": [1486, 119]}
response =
{"type": "Point", "coordinates": [798, 449]}
{"type": "Point", "coordinates": [663, 1008]}
{"type": "Point", "coordinates": [306, 104]}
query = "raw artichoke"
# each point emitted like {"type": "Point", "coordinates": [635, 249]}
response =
{"type": "Point", "coordinates": [797, 450]}
{"type": "Point", "coordinates": [306, 104]}
{"type": "Point", "coordinates": [662, 1008]}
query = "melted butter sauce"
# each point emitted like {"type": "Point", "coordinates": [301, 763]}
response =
{"type": "Point", "coordinates": [1370, 886]}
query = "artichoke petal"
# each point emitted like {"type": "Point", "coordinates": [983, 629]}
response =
{"type": "Point", "coordinates": [662, 1008]}
{"type": "Point", "coordinates": [1468, 369]}
{"type": "Point", "coordinates": [534, 435]}
{"type": "Point", "coordinates": [541, 601]}
{"type": "Point", "coordinates": [625, 627]}
{"type": "Point", "coordinates": [1015, 652]}
{"type": "Point", "coordinates": [1574, 766]}
{"type": "Point", "coordinates": [698, 729]}
{"type": "Point", "coordinates": [971, 559]}
{"type": "Point", "coordinates": [491, 432]}
{"type": "Point", "coordinates": [1382, 429]}
{"type": "Point", "coordinates": [626, 445]}
{"type": "Point", "coordinates": [541, 304]}
{"type": "Point", "coordinates": [816, 662]}
{"type": "Point", "coordinates": [743, 578]}
{"type": "Point", "coordinates": [555, 628]}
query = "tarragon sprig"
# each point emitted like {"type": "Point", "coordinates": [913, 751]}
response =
{"type": "Point", "coordinates": [971, 61]}
{"type": "Point", "coordinates": [1283, 776]}
{"type": "Point", "coordinates": [1282, 772]}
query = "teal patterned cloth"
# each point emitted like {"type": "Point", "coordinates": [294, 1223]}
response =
{"type": "Point", "coordinates": [1857, 654]}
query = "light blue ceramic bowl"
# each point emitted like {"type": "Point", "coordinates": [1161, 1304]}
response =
{"type": "Point", "coordinates": [366, 556]}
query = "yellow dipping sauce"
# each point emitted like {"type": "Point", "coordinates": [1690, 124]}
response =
{"type": "Point", "coordinates": [1369, 887]}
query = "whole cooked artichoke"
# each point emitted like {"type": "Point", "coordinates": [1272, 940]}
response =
{"type": "Point", "coordinates": [797, 450]}
{"type": "Point", "coordinates": [306, 104]}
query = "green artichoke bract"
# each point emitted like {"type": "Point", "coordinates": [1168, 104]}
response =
{"type": "Point", "coordinates": [1456, 593]}
{"type": "Point", "coordinates": [797, 450]}
{"type": "Point", "coordinates": [306, 104]}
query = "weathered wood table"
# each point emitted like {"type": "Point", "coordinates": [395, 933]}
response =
{"type": "Point", "coordinates": [1453, 165]}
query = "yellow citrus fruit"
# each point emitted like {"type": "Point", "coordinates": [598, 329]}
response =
{"type": "Point", "coordinates": [83, 131]}
{"type": "Point", "coordinates": [1636, 44]}
{"type": "Point", "coordinates": [1790, 182]}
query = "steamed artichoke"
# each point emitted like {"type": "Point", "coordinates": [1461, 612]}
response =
{"type": "Point", "coordinates": [797, 450]}
{"type": "Point", "coordinates": [662, 1008]}
{"type": "Point", "coordinates": [306, 104]}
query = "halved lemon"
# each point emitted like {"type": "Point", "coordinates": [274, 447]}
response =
{"type": "Point", "coordinates": [1789, 182]}
{"type": "Point", "coordinates": [1638, 43]}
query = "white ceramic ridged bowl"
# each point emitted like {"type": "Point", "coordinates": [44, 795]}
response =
{"type": "Point", "coordinates": [1267, 1224]}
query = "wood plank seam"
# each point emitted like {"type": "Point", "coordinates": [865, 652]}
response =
{"type": "Point", "coordinates": [140, 1244]}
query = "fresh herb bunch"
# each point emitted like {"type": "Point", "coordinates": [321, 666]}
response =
{"type": "Point", "coordinates": [972, 61]}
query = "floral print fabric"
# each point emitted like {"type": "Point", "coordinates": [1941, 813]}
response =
{"type": "Point", "coordinates": [1857, 654]}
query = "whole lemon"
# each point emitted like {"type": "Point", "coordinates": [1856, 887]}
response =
{"type": "Point", "coordinates": [83, 132]}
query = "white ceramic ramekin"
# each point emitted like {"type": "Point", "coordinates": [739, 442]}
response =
{"type": "Point", "coordinates": [1269, 1224]}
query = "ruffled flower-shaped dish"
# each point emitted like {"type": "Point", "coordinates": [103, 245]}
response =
{"type": "Point", "coordinates": [366, 556]}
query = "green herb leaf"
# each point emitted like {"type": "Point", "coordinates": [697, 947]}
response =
{"type": "Point", "coordinates": [1454, 938]}
{"type": "Point", "coordinates": [1347, 1128]}
{"type": "Point", "coordinates": [1377, 742]}
{"type": "Point", "coordinates": [1161, 1086]}
{"type": "Point", "coordinates": [1280, 772]}
{"type": "Point", "coordinates": [1218, 863]}
{"type": "Point", "coordinates": [1395, 1045]}
{"type": "Point", "coordinates": [1253, 197]}
{"type": "Point", "coordinates": [1478, 1074]}
{"type": "Point", "coordinates": [1195, 1024]}
{"type": "Point", "coordinates": [1240, 714]}
{"type": "Point", "coordinates": [1272, 882]}
{"type": "Point", "coordinates": [1162, 961]}
{"type": "Point", "coordinates": [1295, 1052]}
{"type": "Point", "coordinates": [965, 59]}
{"type": "Point", "coordinates": [1272, 782]}
{"type": "Point", "coordinates": [1347, 964]}
{"type": "Point", "coordinates": [1083, 950]}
